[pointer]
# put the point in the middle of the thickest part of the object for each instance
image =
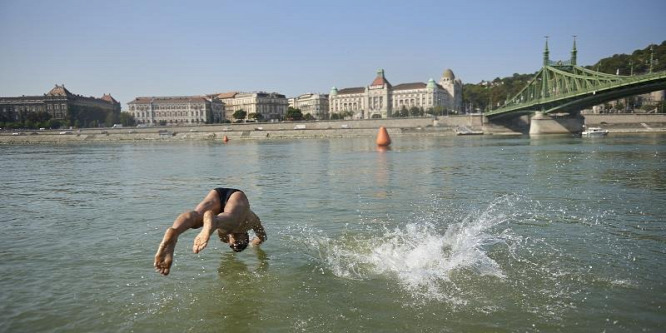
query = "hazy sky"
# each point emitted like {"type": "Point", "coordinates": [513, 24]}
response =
{"type": "Point", "coordinates": [162, 48]}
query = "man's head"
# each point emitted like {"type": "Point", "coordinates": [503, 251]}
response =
{"type": "Point", "coordinates": [239, 242]}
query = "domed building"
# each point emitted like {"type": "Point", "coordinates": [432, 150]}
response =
{"type": "Point", "coordinates": [381, 99]}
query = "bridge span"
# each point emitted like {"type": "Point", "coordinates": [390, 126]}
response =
{"type": "Point", "coordinates": [563, 87]}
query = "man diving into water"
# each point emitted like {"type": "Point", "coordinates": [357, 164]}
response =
{"type": "Point", "coordinates": [226, 210]}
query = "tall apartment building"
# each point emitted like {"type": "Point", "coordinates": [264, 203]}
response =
{"type": "Point", "coordinates": [176, 110]}
{"type": "Point", "coordinates": [382, 100]}
{"type": "Point", "coordinates": [269, 105]}
{"type": "Point", "coordinates": [60, 104]}
{"type": "Point", "coordinates": [315, 105]}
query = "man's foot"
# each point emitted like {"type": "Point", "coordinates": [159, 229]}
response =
{"type": "Point", "coordinates": [201, 241]}
{"type": "Point", "coordinates": [164, 255]}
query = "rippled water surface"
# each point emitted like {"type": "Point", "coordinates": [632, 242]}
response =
{"type": "Point", "coordinates": [436, 234]}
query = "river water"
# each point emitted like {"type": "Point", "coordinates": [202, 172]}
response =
{"type": "Point", "coordinates": [444, 234]}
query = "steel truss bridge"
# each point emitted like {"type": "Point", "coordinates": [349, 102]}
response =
{"type": "Point", "coordinates": [564, 87]}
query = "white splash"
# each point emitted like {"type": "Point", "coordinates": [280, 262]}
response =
{"type": "Point", "coordinates": [419, 255]}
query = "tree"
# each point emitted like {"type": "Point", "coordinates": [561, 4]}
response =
{"type": "Point", "coordinates": [415, 111]}
{"type": "Point", "coordinates": [619, 106]}
{"type": "Point", "coordinates": [127, 119]}
{"type": "Point", "coordinates": [294, 114]}
{"type": "Point", "coordinates": [37, 117]}
{"type": "Point", "coordinates": [335, 116]}
{"type": "Point", "coordinates": [308, 117]}
{"type": "Point", "coordinates": [109, 120]}
{"type": "Point", "coordinates": [240, 114]}
{"type": "Point", "coordinates": [256, 116]}
{"type": "Point", "coordinates": [403, 112]}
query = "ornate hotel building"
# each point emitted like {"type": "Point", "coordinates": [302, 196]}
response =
{"type": "Point", "coordinates": [57, 103]}
{"type": "Point", "coordinates": [269, 105]}
{"type": "Point", "coordinates": [382, 100]}
{"type": "Point", "coordinates": [176, 110]}
{"type": "Point", "coordinates": [315, 105]}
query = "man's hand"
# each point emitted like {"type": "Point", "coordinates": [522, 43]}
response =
{"type": "Point", "coordinates": [255, 241]}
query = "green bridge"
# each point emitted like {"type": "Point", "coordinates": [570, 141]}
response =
{"type": "Point", "coordinates": [565, 87]}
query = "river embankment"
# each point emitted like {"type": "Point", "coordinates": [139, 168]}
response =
{"type": "Point", "coordinates": [435, 126]}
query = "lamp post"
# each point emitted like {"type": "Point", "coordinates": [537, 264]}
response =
{"type": "Point", "coordinates": [651, 57]}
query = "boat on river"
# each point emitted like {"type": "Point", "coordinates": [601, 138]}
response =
{"type": "Point", "coordinates": [594, 132]}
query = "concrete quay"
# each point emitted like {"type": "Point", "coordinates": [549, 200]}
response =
{"type": "Point", "coordinates": [439, 126]}
{"type": "Point", "coordinates": [234, 132]}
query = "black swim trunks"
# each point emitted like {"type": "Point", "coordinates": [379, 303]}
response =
{"type": "Point", "coordinates": [224, 194]}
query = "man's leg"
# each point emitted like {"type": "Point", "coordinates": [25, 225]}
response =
{"type": "Point", "coordinates": [188, 220]}
{"type": "Point", "coordinates": [235, 212]}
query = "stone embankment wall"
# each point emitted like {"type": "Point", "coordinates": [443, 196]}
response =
{"type": "Point", "coordinates": [647, 122]}
{"type": "Point", "coordinates": [439, 126]}
{"type": "Point", "coordinates": [252, 131]}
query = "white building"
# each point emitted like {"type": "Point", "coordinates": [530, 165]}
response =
{"type": "Point", "coordinates": [382, 100]}
{"type": "Point", "coordinates": [268, 105]}
{"type": "Point", "coordinates": [176, 110]}
{"type": "Point", "coordinates": [315, 105]}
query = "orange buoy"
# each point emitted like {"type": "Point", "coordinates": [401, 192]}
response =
{"type": "Point", "coordinates": [225, 139]}
{"type": "Point", "coordinates": [383, 139]}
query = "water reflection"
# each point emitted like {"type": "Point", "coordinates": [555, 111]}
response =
{"type": "Point", "coordinates": [382, 172]}
{"type": "Point", "coordinates": [243, 290]}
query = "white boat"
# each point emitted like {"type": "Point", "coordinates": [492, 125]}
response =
{"type": "Point", "coordinates": [593, 132]}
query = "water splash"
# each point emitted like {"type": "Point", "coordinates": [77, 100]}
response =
{"type": "Point", "coordinates": [422, 256]}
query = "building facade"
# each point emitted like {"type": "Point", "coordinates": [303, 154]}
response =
{"type": "Point", "coordinates": [60, 104]}
{"type": "Point", "coordinates": [315, 105]}
{"type": "Point", "coordinates": [382, 100]}
{"type": "Point", "coordinates": [268, 105]}
{"type": "Point", "coordinates": [176, 110]}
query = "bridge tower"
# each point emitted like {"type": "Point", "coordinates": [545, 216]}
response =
{"type": "Point", "coordinates": [541, 122]}
{"type": "Point", "coordinates": [546, 63]}
{"type": "Point", "coordinates": [574, 52]}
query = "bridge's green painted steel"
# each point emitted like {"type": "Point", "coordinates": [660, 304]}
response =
{"type": "Point", "coordinates": [564, 87]}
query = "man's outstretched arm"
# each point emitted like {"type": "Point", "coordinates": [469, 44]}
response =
{"type": "Point", "coordinates": [258, 229]}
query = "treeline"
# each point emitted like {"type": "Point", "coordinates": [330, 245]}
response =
{"type": "Point", "coordinates": [77, 117]}
{"type": "Point", "coordinates": [480, 97]}
{"type": "Point", "coordinates": [638, 61]}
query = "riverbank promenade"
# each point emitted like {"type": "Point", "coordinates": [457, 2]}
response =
{"type": "Point", "coordinates": [434, 126]}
